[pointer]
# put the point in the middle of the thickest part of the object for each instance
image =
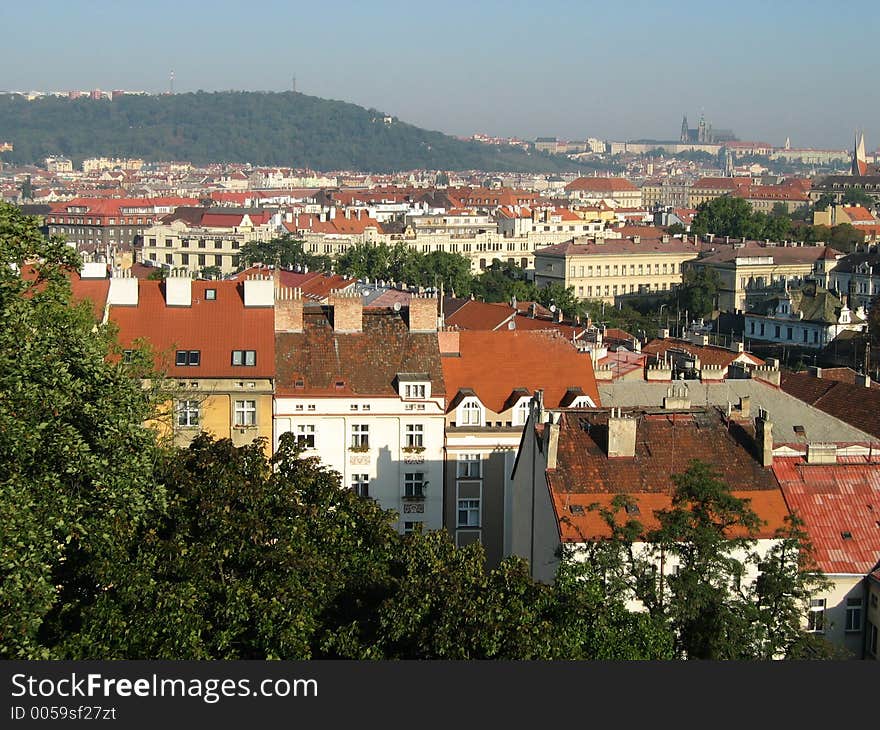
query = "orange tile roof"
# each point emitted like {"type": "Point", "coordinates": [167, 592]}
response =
{"type": "Point", "coordinates": [493, 364]}
{"type": "Point", "coordinates": [769, 505]}
{"type": "Point", "coordinates": [834, 499]}
{"type": "Point", "coordinates": [215, 328]}
{"type": "Point", "coordinates": [602, 184]}
{"type": "Point", "coordinates": [708, 354]}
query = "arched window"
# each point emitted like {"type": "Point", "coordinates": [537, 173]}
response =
{"type": "Point", "coordinates": [470, 413]}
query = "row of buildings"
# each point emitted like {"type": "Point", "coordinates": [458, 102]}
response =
{"type": "Point", "coordinates": [492, 420]}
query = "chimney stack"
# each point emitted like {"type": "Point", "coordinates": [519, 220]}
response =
{"type": "Point", "coordinates": [422, 313]}
{"type": "Point", "coordinates": [621, 435]}
{"type": "Point", "coordinates": [348, 311]}
{"type": "Point", "coordinates": [288, 310]}
{"type": "Point", "coordinates": [764, 437]}
{"type": "Point", "coordinates": [178, 290]}
{"type": "Point", "coordinates": [259, 291]}
{"type": "Point", "coordinates": [123, 291]}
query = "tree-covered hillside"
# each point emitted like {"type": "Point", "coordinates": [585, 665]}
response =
{"type": "Point", "coordinates": [262, 128]}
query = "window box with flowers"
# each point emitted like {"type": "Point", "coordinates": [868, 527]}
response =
{"type": "Point", "coordinates": [413, 449]}
{"type": "Point", "coordinates": [359, 449]}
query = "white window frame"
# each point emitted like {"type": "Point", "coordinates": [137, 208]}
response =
{"type": "Point", "coordinates": [470, 413]}
{"type": "Point", "coordinates": [415, 435]}
{"type": "Point", "coordinates": [360, 435]}
{"type": "Point", "coordinates": [469, 466]}
{"type": "Point", "coordinates": [360, 484]}
{"type": "Point", "coordinates": [470, 507]}
{"type": "Point", "coordinates": [305, 432]}
{"type": "Point", "coordinates": [188, 412]}
{"type": "Point", "coordinates": [412, 526]}
{"type": "Point", "coordinates": [415, 391]}
{"type": "Point", "coordinates": [816, 616]}
{"type": "Point", "coordinates": [521, 412]}
{"type": "Point", "coordinates": [414, 484]}
{"type": "Point", "coordinates": [245, 413]}
{"type": "Point", "coordinates": [854, 608]}
{"type": "Point", "coordinates": [244, 358]}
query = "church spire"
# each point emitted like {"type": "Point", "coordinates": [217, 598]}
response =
{"type": "Point", "coordinates": [859, 162]}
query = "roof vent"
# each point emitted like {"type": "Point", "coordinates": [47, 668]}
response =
{"type": "Point", "coordinates": [577, 509]}
{"type": "Point", "coordinates": [847, 535]}
{"type": "Point", "coordinates": [633, 509]}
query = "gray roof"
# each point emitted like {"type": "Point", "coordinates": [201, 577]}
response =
{"type": "Point", "coordinates": [785, 410]}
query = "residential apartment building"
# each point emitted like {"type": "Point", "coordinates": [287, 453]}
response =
{"type": "Point", "coordinates": [117, 225]}
{"type": "Point", "coordinates": [211, 344]}
{"type": "Point", "coordinates": [750, 271]}
{"type": "Point", "coordinates": [193, 238]}
{"type": "Point", "coordinates": [618, 189]}
{"type": "Point", "coordinates": [709, 188]}
{"type": "Point", "coordinates": [838, 185]}
{"type": "Point", "coordinates": [609, 268]}
{"type": "Point", "coordinates": [856, 276]}
{"type": "Point", "coordinates": [363, 390]}
{"type": "Point", "coordinates": [810, 316]}
{"type": "Point", "coordinates": [490, 378]}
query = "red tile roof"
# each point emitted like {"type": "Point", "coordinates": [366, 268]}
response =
{"type": "Point", "coordinates": [365, 363]}
{"type": "Point", "coordinates": [215, 328]}
{"type": "Point", "coordinates": [853, 404]}
{"type": "Point", "coordinates": [493, 364]}
{"type": "Point", "coordinates": [665, 445]}
{"type": "Point", "coordinates": [834, 499]}
{"type": "Point", "coordinates": [602, 184]}
{"type": "Point", "coordinates": [93, 290]}
{"type": "Point", "coordinates": [708, 354]}
{"type": "Point", "coordinates": [614, 246]}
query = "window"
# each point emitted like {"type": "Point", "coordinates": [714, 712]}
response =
{"type": "Point", "coordinates": [469, 466]}
{"type": "Point", "coordinates": [210, 294]}
{"type": "Point", "coordinates": [360, 436]}
{"type": "Point", "coordinates": [521, 413]}
{"type": "Point", "coordinates": [471, 413]}
{"type": "Point", "coordinates": [305, 435]}
{"type": "Point", "coordinates": [188, 357]}
{"type": "Point", "coordinates": [788, 333]}
{"type": "Point", "coordinates": [415, 435]}
{"type": "Point", "coordinates": [127, 356]}
{"type": "Point", "coordinates": [816, 616]}
{"type": "Point", "coordinates": [187, 413]}
{"type": "Point", "coordinates": [414, 391]}
{"type": "Point", "coordinates": [776, 331]}
{"type": "Point", "coordinates": [245, 413]}
{"type": "Point", "coordinates": [410, 527]}
{"type": "Point", "coordinates": [468, 513]}
{"type": "Point", "coordinates": [244, 357]}
{"type": "Point", "coordinates": [360, 484]}
{"type": "Point", "coordinates": [414, 484]}
{"type": "Point", "coordinates": [853, 614]}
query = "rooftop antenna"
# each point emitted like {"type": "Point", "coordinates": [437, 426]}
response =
{"type": "Point", "coordinates": [171, 83]}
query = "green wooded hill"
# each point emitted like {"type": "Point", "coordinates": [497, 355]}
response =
{"type": "Point", "coordinates": [262, 128]}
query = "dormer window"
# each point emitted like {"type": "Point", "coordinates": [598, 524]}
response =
{"type": "Point", "coordinates": [521, 412]}
{"type": "Point", "coordinates": [414, 386]}
{"type": "Point", "coordinates": [470, 413]}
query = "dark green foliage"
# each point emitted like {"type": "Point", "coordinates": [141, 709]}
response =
{"type": "Point", "coordinates": [824, 201]}
{"type": "Point", "coordinates": [711, 603]}
{"type": "Point", "coordinates": [734, 217]}
{"type": "Point", "coordinates": [284, 251]}
{"type": "Point", "coordinates": [76, 466]}
{"type": "Point", "coordinates": [854, 196]}
{"type": "Point", "coordinates": [261, 128]}
{"type": "Point", "coordinates": [697, 292]}
{"type": "Point", "coordinates": [676, 229]}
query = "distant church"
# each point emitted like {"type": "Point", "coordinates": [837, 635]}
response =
{"type": "Point", "coordinates": [860, 166]}
{"type": "Point", "coordinates": [704, 134]}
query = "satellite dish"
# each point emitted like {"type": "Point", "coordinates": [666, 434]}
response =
{"type": "Point", "coordinates": [511, 325]}
{"type": "Point", "coordinates": [552, 307]}
{"type": "Point", "coordinates": [396, 306]}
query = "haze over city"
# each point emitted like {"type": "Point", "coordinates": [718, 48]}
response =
{"type": "Point", "coordinates": [763, 70]}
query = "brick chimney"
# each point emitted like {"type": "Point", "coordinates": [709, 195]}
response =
{"type": "Point", "coordinates": [423, 313]}
{"type": "Point", "coordinates": [288, 310]}
{"type": "Point", "coordinates": [764, 437]}
{"type": "Point", "coordinates": [449, 340]}
{"type": "Point", "coordinates": [348, 311]}
{"type": "Point", "coordinates": [621, 435]}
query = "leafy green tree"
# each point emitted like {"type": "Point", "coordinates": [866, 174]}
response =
{"type": "Point", "coordinates": [854, 196]}
{"type": "Point", "coordinates": [725, 600]}
{"type": "Point", "coordinates": [501, 280]}
{"type": "Point", "coordinates": [676, 229]}
{"type": "Point", "coordinates": [845, 236]}
{"type": "Point", "coordinates": [562, 298]}
{"type": "Point", "coordinates": [724, 216]}
{"type": "Point", "coordinates": [697, 292]}
{"type": "Point", "coordinates": [76, 465]}
{"type": "Point", "coordinates": [284, 251]}
{"type": "Point", "coordinates": [824, 201]}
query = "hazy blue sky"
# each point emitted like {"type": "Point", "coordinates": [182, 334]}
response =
{"type": "Point", "coordinates": [613, 70]}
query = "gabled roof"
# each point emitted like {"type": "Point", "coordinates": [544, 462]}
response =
{"type": "Point", "coordinates": [836, 500]}
{"type": "Point", "coordinates": [214, 327]}
{"type": "Point", "coordinates": [365, 363]}
{"type": "Point", "coordinates": [852, 404]}
{"type": "Point", "coordinates": [495, 364]}
{"type": "Point", "coordinates": [708, 354]}
{"type": "Point", "coordinates": [666, 443]}
{"type": "Point", "coordinates": [602, 184]}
